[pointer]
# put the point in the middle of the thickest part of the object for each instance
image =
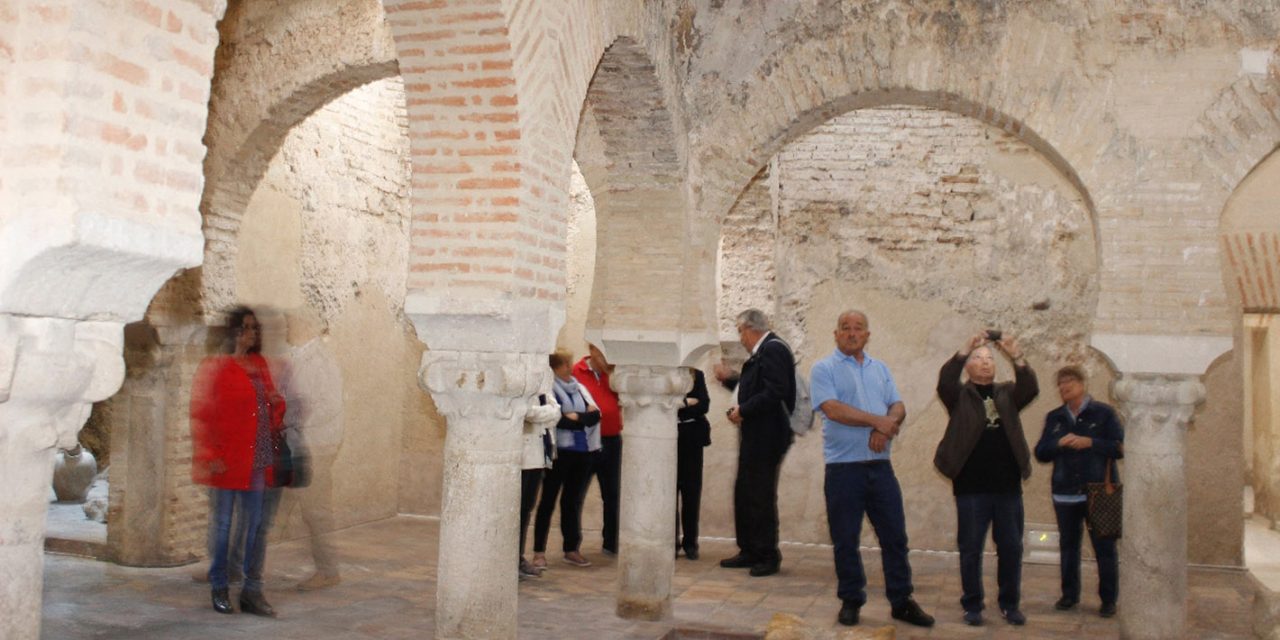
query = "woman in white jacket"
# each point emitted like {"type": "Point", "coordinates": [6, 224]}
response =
{"type": "Point", "coordinates": [539, 452]}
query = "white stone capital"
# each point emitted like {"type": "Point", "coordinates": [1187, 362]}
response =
{"type": "Point", "coordinates": [643, 386]}
{"type": "Point", "coordinates": [55, 368]}
{"type": "Point", "coordinates": [1160, 399]}
{"type": "Point", "coordinates": [489, 385]}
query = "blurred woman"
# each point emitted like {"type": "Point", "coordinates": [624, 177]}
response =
{"type": "Point", "coordinates": [235, 409]}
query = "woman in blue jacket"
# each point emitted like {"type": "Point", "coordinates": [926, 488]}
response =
{"type": "Point", "coordinates": [1080, 438]}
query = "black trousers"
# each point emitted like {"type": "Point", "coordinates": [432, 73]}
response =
{"type": "Point", "coordinates": [688, 487]}
{"type": "Point", "coordinates": [530, 480]}
{"type": "Point", "coordinates": [567, 479]}
{"type": "Point", "coordinates": [608, 472]}
{"type": "Point", "coordinates": [755, 491]}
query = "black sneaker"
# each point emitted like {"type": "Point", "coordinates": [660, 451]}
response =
{"type": "Point", "coordinates": [973, 618]}
{"type": "Point", "coordinates": [1108, 609]}
{"type": "Point", "coordinates": [740, 561]}
{"type": "Point", "coordinates": [848, 613]}
{"type": "Point", "coordinates": [1013, 617]}
{"type": "Point", "coordinates": [691, 552]}
{"type": "Point", "coordinates": [1064, 603]}
{"type": "Point", "coordinates": [911, 613]}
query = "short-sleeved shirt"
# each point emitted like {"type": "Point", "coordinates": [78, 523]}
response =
{"type": "Point", "coordinates": [867, 386]}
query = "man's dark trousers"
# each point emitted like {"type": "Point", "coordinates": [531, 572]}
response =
{"type": "Point", "coordinates": [855, 488]}
{"type": "Point", "coordinates": [608, 473]}
{"type": "Point", "coordinates": [755, 491]}
{"type": "Point", "coordinates": [1002, 513]}
{"type": "Point", "coordinates": [1070, 523]}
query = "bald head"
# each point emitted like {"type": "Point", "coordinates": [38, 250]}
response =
{"type": "Point", "coordinates": [851, 314]}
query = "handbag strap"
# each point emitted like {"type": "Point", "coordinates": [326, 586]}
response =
{"type": "Point", "coordinates": [1110, 487]}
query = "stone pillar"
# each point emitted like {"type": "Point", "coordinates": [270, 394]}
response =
{"type": "Point", "coordinates": [649, 396]}
{"type": "Point", "coordinates": [1153, 577]}
{"type": "Point", "coordinates": [483, 395]}
{"type": "Point", "coordinates": [51, 370]}
{"type": "Point", "coordinates": [158, 517]}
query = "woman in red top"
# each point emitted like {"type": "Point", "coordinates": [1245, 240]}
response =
{"type": "Point", "coordinates": [235, 409]}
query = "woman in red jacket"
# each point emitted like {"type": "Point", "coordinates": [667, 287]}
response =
{"type": "Point", "coordinates": [234, 411]}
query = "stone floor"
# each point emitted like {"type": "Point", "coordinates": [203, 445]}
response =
{"type": "Point", "coordinates": [389, 592]}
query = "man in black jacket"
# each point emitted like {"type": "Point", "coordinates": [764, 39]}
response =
{"type": "Point", "coordinates": [984, 453]}
{"type": "Point", "coordinates": [766, 394]}
{"type": "Point", "coordinates": [1080, 438]}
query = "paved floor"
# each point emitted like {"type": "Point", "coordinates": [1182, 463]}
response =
{"type": "Point", "coordinates": [389, 592]}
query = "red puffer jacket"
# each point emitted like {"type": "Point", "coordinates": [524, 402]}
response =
{"type": "Point", "coordinates": [224, 421]}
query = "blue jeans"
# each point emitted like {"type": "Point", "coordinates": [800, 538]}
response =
{"type": "Point", "coordinates": [253, 519]}
{"type": "Point", "coordinates": [1002, 513]}
{"type": "Point", "coordinates": [1070, 523]}
{"type": "Point", "coordinates": [853, 489]}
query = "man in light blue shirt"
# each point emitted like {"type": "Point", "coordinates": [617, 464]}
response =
{"type": "Point", "coordinates": [862, 413]}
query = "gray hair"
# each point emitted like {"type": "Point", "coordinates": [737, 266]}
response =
{"type": "Point", "coordinates": [852, 312]}
{"type": "Point", "coordinates": [753, 319]}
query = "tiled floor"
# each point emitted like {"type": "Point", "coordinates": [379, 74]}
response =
{"type": "Point", "coordinates": [389, 592]}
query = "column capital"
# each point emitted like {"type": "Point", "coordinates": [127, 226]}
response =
{"type": "Point", "coordinates": [468, 384]}
{"type": "Point", "coordinates": [55, 368]}
{"type": "Point", "coordinates": [1161, 396]}
{"type": "Point", "coordinates": [642, 386]}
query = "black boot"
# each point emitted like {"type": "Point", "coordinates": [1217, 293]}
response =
{"type": "Point", "coordinates": [222, 601]}
{"type": "Point", "coordinates": [253, 602]}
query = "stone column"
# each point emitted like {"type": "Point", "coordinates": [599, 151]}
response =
{"type": "Point", "coordinates": [158, 515]}
{"type": "Point", "coordinates": [483, 395]}
{"type": "Point", "coordinates": [1153, 577]}
{"type": "Point", "coordinates": [51, 370]}
{"type": "Point", "coordinates": [649, 396]}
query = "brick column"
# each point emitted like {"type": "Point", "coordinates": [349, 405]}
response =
{"type": "Point", "coordinates": [649, 397]}
{"type": "Point", "coordinates": [1153, 580]}
{"type": "Point", "coordinates": [51, 370]}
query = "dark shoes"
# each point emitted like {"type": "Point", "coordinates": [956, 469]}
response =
{"type": "Point", "coordinates": [740, 561]}
{"type": "Point", "coordinates": [253, 602]}
{"type": "Point", "coordinates": [1108, 609]}
{"type": "Point", "coordinates": [973, 618]}
{"type": "Point", "coordinates": [1013, 617]}
{"type": "Point", "coordinates": [222, 601]}
{"type": "Point", "coordinates": [1064, 603]}
{"type": "Point", "coordinates": [691, 552]}
{"type": "Point", "coordinates": [911, 613]}
{"type": "Point", "coordinates": [762, 569]}
{"type": "Point", "coordinates": [848, 613]}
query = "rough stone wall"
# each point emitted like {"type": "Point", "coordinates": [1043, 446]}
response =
{"type": "Point", "coordinates": [936, 224]}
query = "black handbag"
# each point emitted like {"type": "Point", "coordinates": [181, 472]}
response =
{"type": "Point", "coordinates": [1105, 508]}
{"type": "Point", "coordinates": [290, 468]}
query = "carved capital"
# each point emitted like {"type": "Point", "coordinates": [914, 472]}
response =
{"type": "Point", "coordinates": [468, 384]}
{"type": "Point", "coordinates": [52, 369]}
{"type": "Point", "coordinates": [1169, 399]}
{"type": "Point", "coordinates": [644, 386]}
